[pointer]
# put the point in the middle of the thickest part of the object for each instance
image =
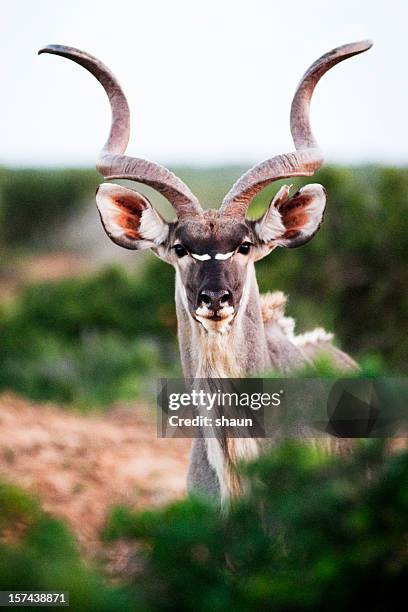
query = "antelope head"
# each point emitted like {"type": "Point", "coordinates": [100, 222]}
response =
{"type": "Point", "coordinates": [212, 251]}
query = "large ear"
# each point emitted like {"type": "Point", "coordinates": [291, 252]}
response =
{"type": "Point", "coordinates": [291, 222]}
{"type": "Point", "coordinates": [129, 219]}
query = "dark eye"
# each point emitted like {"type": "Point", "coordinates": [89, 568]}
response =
{"type": "Point", "coordinates": [180, 250]}
{"type": "Point", "coordinates": [244, 248]}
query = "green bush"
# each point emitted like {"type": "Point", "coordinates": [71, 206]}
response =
{"type": "Point", "coordinates": [351, 277]}
{"type": "Point", "coordinates": [89, 341]}
{"type": "Point", "coordinates": [41, 554]}
{"type": "Point", "coordinates": [36, 203]}
{"type": "Point", "coordinates": [310, 534]}
{"type": "Point", "coordinates": [111, 301]}
{"type": "Point", "coordinates": [96, 370]}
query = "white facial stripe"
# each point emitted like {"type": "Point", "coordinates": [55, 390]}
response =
{"type": "Point", "coordinates": [205, 257]}
{"type": "Point", "coordinates": [201, 257]}
{"type": "Point", "coordinates": [224, 255]}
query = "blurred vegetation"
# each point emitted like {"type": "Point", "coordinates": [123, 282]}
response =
{"type": "Point", "coordinates": [89, 341]}
{"type": "Point", "coordinates": [96, 339]}
{"type": "Point", "coordinates": [352, 277]}
{"type": "Point", "coordinates": [38, 552]}
{"type": "Point", "coordinates": [311, 533]}
{"type": "Point", "coordinates": [34, 204]}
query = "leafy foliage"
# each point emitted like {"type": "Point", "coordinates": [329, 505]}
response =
{"type": "Point", "coordinates": [34, 203]}
{"type": "Point", "coordinates": [350, 278]}
{"type": "Point", "coordinates": [38, 552]}
{"type": "Point", "coordinates": [310, 534]}
{"type": "Point", "coordinates": [89, 341]}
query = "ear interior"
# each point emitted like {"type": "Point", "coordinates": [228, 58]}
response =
{"type": "Point", "coordinates": [128, 217]}
{"type": "Point", "coordinates": [293, 221]}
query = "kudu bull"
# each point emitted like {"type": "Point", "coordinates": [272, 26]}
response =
{"type": "Point", "coordinates": [225, 327]}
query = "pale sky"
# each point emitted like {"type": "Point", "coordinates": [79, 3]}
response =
{"type": "Point", "coordinates": [208, 82]}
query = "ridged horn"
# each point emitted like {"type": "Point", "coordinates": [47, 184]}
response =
{"type": "Point", "coordinates": [307, 158]}
{"type": "Point", "coordinates": [112, 164]}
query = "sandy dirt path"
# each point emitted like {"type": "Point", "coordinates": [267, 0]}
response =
{"type": "Point", "coordinates": [80, 466]}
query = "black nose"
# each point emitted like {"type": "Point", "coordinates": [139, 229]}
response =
{"type": "Point", "coordinates": [215, 300]}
